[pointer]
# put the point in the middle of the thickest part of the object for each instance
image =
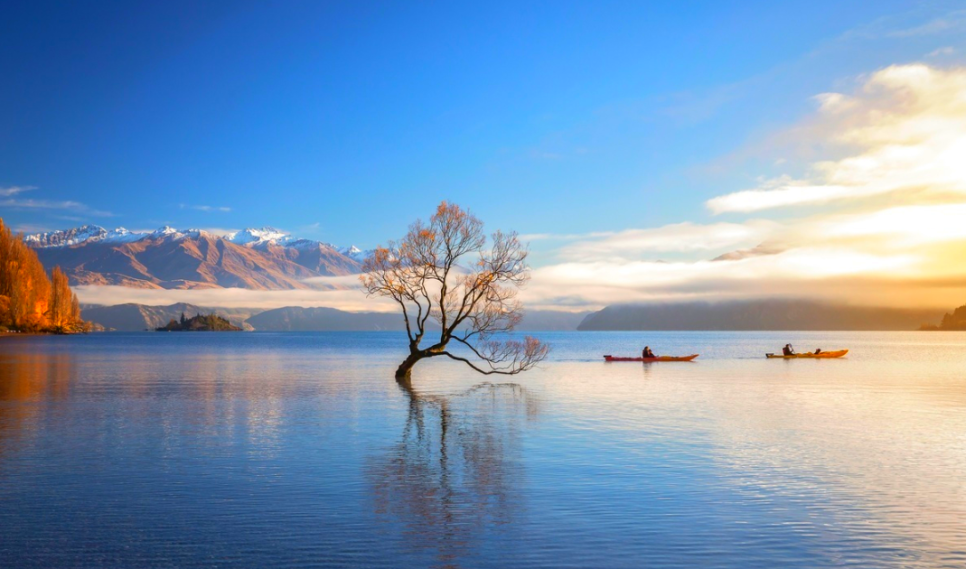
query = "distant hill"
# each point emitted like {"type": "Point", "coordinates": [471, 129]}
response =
{"type": "Point", "coordinates": [168, 258]}
{"type": "Point", "coordinates": [755, 315]}
{"type": "Point", "coordinates": [299, 319]}
{"type": "Point", "coordinates": [139, 317]}
{"type": "Point", "coordinates": [551, 320]}
{"type": "Point", "coordinates": [955, 321]}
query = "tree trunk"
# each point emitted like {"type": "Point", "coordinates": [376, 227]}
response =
{"type": "Point", "coordinates": [404, 371]}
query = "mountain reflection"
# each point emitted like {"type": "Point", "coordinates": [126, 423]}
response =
{"type": "Point", "coordinates": [456, 472]}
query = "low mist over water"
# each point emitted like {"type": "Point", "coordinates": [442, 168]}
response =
{"type": "Point", "coordinates": [299, 449]}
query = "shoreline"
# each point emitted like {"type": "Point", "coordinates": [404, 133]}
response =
{"type": "Point", "coordinates": [21, 334]}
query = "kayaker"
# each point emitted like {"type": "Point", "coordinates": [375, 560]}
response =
{"type": "Point", "coordinates": [788, 350]}
{"type": "Point", "coordinates": [818, 351]}
{"type": "Point", "coordinates": [647, 353]}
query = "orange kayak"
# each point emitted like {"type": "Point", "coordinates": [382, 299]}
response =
{"type": "Point", "coordinates": [809, 355]}
{"type": "Point", "coordinates": [657, 359]}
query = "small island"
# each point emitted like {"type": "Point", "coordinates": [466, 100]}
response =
{"type": "Point", "coordinates": [199, 323]}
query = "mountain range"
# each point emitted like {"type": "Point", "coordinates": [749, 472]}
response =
{"type": "Point", "coordinates": [738, 315]}
{"type": "Point", "coordinates": [257, 259]}
{"type": "Point", "coordinates": [139, 317]}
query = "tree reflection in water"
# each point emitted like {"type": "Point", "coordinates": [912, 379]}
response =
{"type": "Point", "coordinates": [454, 474]}
{"type": "Point", "coordinates": [28, 382]}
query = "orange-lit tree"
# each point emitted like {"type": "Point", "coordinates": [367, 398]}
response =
{"type": "Point", "coordinates": [447, 275]}
{"type": "Point", "coordinates": [29, 301]}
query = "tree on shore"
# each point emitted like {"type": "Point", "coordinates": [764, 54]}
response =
{"type": "Point", "coordinates": [29, 300]}
{"type": "Point", "coordinates": [955, 321]}
{"type": "Point", "coordinates": [446, 274]}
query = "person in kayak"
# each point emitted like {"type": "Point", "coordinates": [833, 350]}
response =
{"type": "Point", "coordinates": [647, 353]}
{"type": "Point", "coordinates": [788, 350]}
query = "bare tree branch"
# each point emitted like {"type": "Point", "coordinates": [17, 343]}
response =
{"type": "Point", "coordinates": [444, 271]}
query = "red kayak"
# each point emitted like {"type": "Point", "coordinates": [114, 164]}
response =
{"type": "Point", "coordinates": [657, 359]}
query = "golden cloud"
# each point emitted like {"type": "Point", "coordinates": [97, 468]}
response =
{"type": "Point", "coordinates": [896, 159]}
{"type": "Point", "coordinates": [906, 127]}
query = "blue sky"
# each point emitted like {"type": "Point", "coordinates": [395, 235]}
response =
{"type": "Point", "coordinates": [569, 122]}
{"type": "Point", "coordinates": [347, 120]}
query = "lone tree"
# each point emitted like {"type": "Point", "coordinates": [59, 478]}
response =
{"type": "Point", "coordinates": [447, 274]}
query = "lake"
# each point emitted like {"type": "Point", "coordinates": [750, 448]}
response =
{"type": "Point", "coordinates": [300, 450]}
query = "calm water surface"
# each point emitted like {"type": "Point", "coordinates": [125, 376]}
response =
{"type": "Point", "coordinates": [299, 450]}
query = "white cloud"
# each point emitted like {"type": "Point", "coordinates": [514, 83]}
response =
{"type": "Point", "coordinates": [903, 131]}
{"type": "Point", "coordinates": [14, 190]}
{"type": "Point", "coordinates": [14, 202]}
{"type": "Point", "coordinates": [206, 208]}
{"type": "Point", "coordinates": [343, 292]}
{"type": "Point", "coordinates": [334, 282]}
{"type": "Point", "coordinates": [948, 50]}
{"type": "Point", "coordinates": [54, 205]}
{"type": "Point", "coordinates": [794, 194]}
{"type": "Point", "coordinates": [677, 238]}
{"type": "Point", "coordinates": [910, 24]}
{"type": "Point", "coordinates": [834, 102]}
{"type": "Point", "coordinates": [528, 237]}
{"type": "Point", "coordinates": [953, 22]}
{"type": "Point", "coordinates": [900, 227]}
{"type": "Point", "coordinates": [29, 228]}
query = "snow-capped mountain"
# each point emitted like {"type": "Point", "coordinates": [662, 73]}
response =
{"type": "Point", "coordinates": [165, 231]}
{"type": "Point", "coordinates": [356, 253]}
{"type": "Point", "coordinates": [83, 234]}
{"type": "Point", "coordinates": [262, 259]}
{"type": "Point", "coordinates": [249, 237]}
{"type": "Point", "coordinates": [263, 236]}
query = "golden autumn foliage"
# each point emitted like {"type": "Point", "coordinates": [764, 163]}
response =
{"type": "Point", "coordinates": [30, 301]}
